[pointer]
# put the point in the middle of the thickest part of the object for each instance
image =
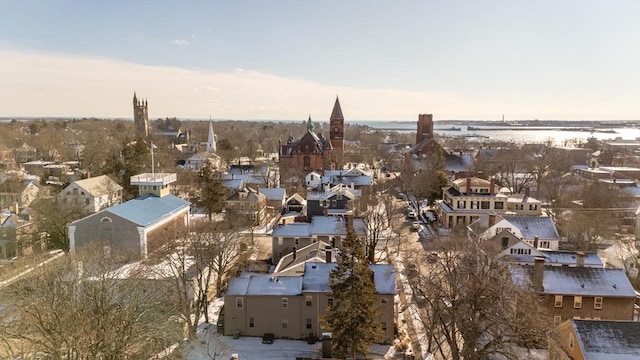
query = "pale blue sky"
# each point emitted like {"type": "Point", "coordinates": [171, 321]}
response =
{"type": "Point", "coordinates": [387, 60]}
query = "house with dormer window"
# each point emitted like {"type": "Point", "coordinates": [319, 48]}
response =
{"type": "Point", "coordinates": [577, 292]}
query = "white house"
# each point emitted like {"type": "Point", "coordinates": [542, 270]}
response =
{"type": "Point", "coordinates": [94, 194]}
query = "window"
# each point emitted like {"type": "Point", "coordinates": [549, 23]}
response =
{"type": "Point", "coordinates": [285, 303]}
{"type": "Point", "coordinates": [309, 300]}
{"type": "Point", "coordinates": [339, 196]}
{"type": "Point", "coordinates": [557, 320]}
{"type": "Point", "coordinates": [155, 187]}
{"type": "Point", "coordinates": [533, 207]}
{"type": "Point", "coordinates": [519, 207]}
{"type": "Point", "coordinates": [597, 302]}
{"type": "Point", "coordinates": [577, 302]}
{"type": "Point", "coordinates": [383, 325]}
{"type": "Point", "coordinates": [144, 187]}
{"type": "Point", "coordinates": [86, 201]}
{"type": "Point", "coordinates": [558, 301]}
{"type": "Point", "coordinates": [545, 244]}
{"type": "Point", "coordinates": [484, 205]}
{"type": "Point", "coordinates": [307, 161]}
{"type": "Point", "coordinates": [285, 323]}
{"type": "Point", "coordinates": [383, 303]}
{"type": "Point", "coordinates": [309, 324]}
{"type": "Point", "coordinates": [252, 323]}
{"type": "Point", "coordinates": [334, 203]}
{"type": "Point", "coordinates": [498, 205]}
{"type": "Point", "coordinates": [239, 303]}
{"type": "Point", "coordinates": [75, 191]}
{"type": "Point", "coordinates": [296, 241]}
{"type": "Point", "coordinates": [330, 301]}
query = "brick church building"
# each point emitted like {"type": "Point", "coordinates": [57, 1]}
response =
{"type": "Point", "coordinates": [313, 151]}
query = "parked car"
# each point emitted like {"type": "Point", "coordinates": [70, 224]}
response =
{"type": "Point", "coordinates": [411, 214]}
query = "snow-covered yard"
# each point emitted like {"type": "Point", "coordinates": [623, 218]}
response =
{"type": "Point", "coordinates": [252, 348]}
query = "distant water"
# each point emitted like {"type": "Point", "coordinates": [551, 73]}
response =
{"type": "Point", "coordinates": [558, 135]}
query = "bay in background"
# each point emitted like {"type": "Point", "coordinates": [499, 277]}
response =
{"type": "Point", "coordinates": [561, 133]}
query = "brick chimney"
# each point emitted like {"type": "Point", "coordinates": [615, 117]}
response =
{"type": "Point", "coordinates": [325, 211]}
{"type": "Point", "coordinates": [536, 240]}
{"type": "Point", "coordinates": [468, 186]}
{"type": "Point", "coordinates": [538, 273]}
{"type": "Point", "coordinates": [328, 254]}
{"type": "Point", "coordinates": [492, 186]}
{"type": "Point", "coordinates": [580, 259]}
{"type": "Point", "coordinates": [526, 191]}
{"type": "Point", "coordinates": [295, 253]}
{"type": "Point", "coordinates": [492, 220]}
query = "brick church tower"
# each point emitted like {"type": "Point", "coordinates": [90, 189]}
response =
{"type": "Point", "coordinates": [336, 134]}
{"type": "Point", "coordinates": [140, 117]}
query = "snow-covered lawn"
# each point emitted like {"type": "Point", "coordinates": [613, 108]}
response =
{"type": "Point", "coordinates": [252, 348]}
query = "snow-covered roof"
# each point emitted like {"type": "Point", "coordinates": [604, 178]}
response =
{"type": "Point", "coordinates": [531, 226]}
{"type": "Point", "coordinates": [587, 281]}
{"type": "Point", "coordinates": [320, 225]}
{"type": "Point", "coordinates": [264, 284]}
{"type": "Point", "coordinates": [316, 278]}
{"type": "Point", "coordinates": [273, 193]}
{"type": "Point", "coordinates": [97, 186]}
{"type": "Point", "coordinates": [601, 340]}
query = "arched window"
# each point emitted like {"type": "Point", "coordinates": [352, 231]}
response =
{"type": "Point", "coordinates": [307, 161]}
{"type": "Point", "coordinates": [106, 229]}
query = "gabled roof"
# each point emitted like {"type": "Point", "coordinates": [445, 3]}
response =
{"type": "Point", "coordinates": [585, 281]}
{"type": "Point", "coordinates": [290, 266]}
{"type": "Point", "coordinates": [148, 209]}
{"type": "Point", "coordinates": [618, 340]}
{"type": "Point", "coordinates": [316, 278]}
{"type": "Point", "coordinates": [298, 198]}
{"type": "Point", "coordinates": [97, 186]}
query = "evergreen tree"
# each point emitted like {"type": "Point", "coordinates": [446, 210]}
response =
{"type": "Point", "coordinates": [212, 191]}
{"type": "Point", "coordinates": [354, 313]}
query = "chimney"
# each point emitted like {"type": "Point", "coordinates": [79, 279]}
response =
{"type": "Point", "coordinates": [492, 220]}
{"type": "Point", "coordinates": [295, 253]}
{"type": "Point", "coordinates": [580, 259]}
{"type": "Point", "coordinates": [233, 176]}
{"type": "Point", "coordinates": [325, 211]}
{"type": "Point", "coordinates": [349, 224]}
{"type": "Point", "coordinates": [535, 242]}
{"type": "Point", "coordinates": [526, 191]}
{"type": "Point", "coordinates": [327, 254]}
{"type": "Point", "coordinates": [468, 186]}
{"type": "Point", "coordinates": [538, 273]}
{"type": "Point", "coordinates": [492, 186]}
{"type": "Point", "coordinates": [16, 207]}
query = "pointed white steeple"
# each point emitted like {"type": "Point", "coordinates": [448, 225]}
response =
{"type": "Point", "coordinates": [211, 141]}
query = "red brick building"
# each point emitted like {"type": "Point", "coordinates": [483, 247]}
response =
{"type": "Point", "coordinates": [312, 151]}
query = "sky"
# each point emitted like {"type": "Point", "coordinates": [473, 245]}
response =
{"type": "Point", "coordinates": [287, 60]}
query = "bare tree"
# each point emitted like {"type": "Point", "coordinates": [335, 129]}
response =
{"type": "Point", "coordinates": [195, 259]}
{"type": "Point", "coordinates": [470, 307]}
{"type": "Point", "coordinates": [85, 308]}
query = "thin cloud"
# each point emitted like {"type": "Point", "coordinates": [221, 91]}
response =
{"type": "Point", "coordinates": [40, 84]}
{"type": "Point", "coordinates": [180, 42]}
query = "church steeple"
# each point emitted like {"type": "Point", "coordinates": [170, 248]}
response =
{"type": "Point", "coordinates": [309, 124]}
{"type": "Point", "coordinates": [211, 140]}
{"type": "Point", "coordinates": [336, 114]}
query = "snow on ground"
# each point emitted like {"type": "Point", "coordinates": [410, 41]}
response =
{"type": "Point", "coordinates": [252, 348]}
